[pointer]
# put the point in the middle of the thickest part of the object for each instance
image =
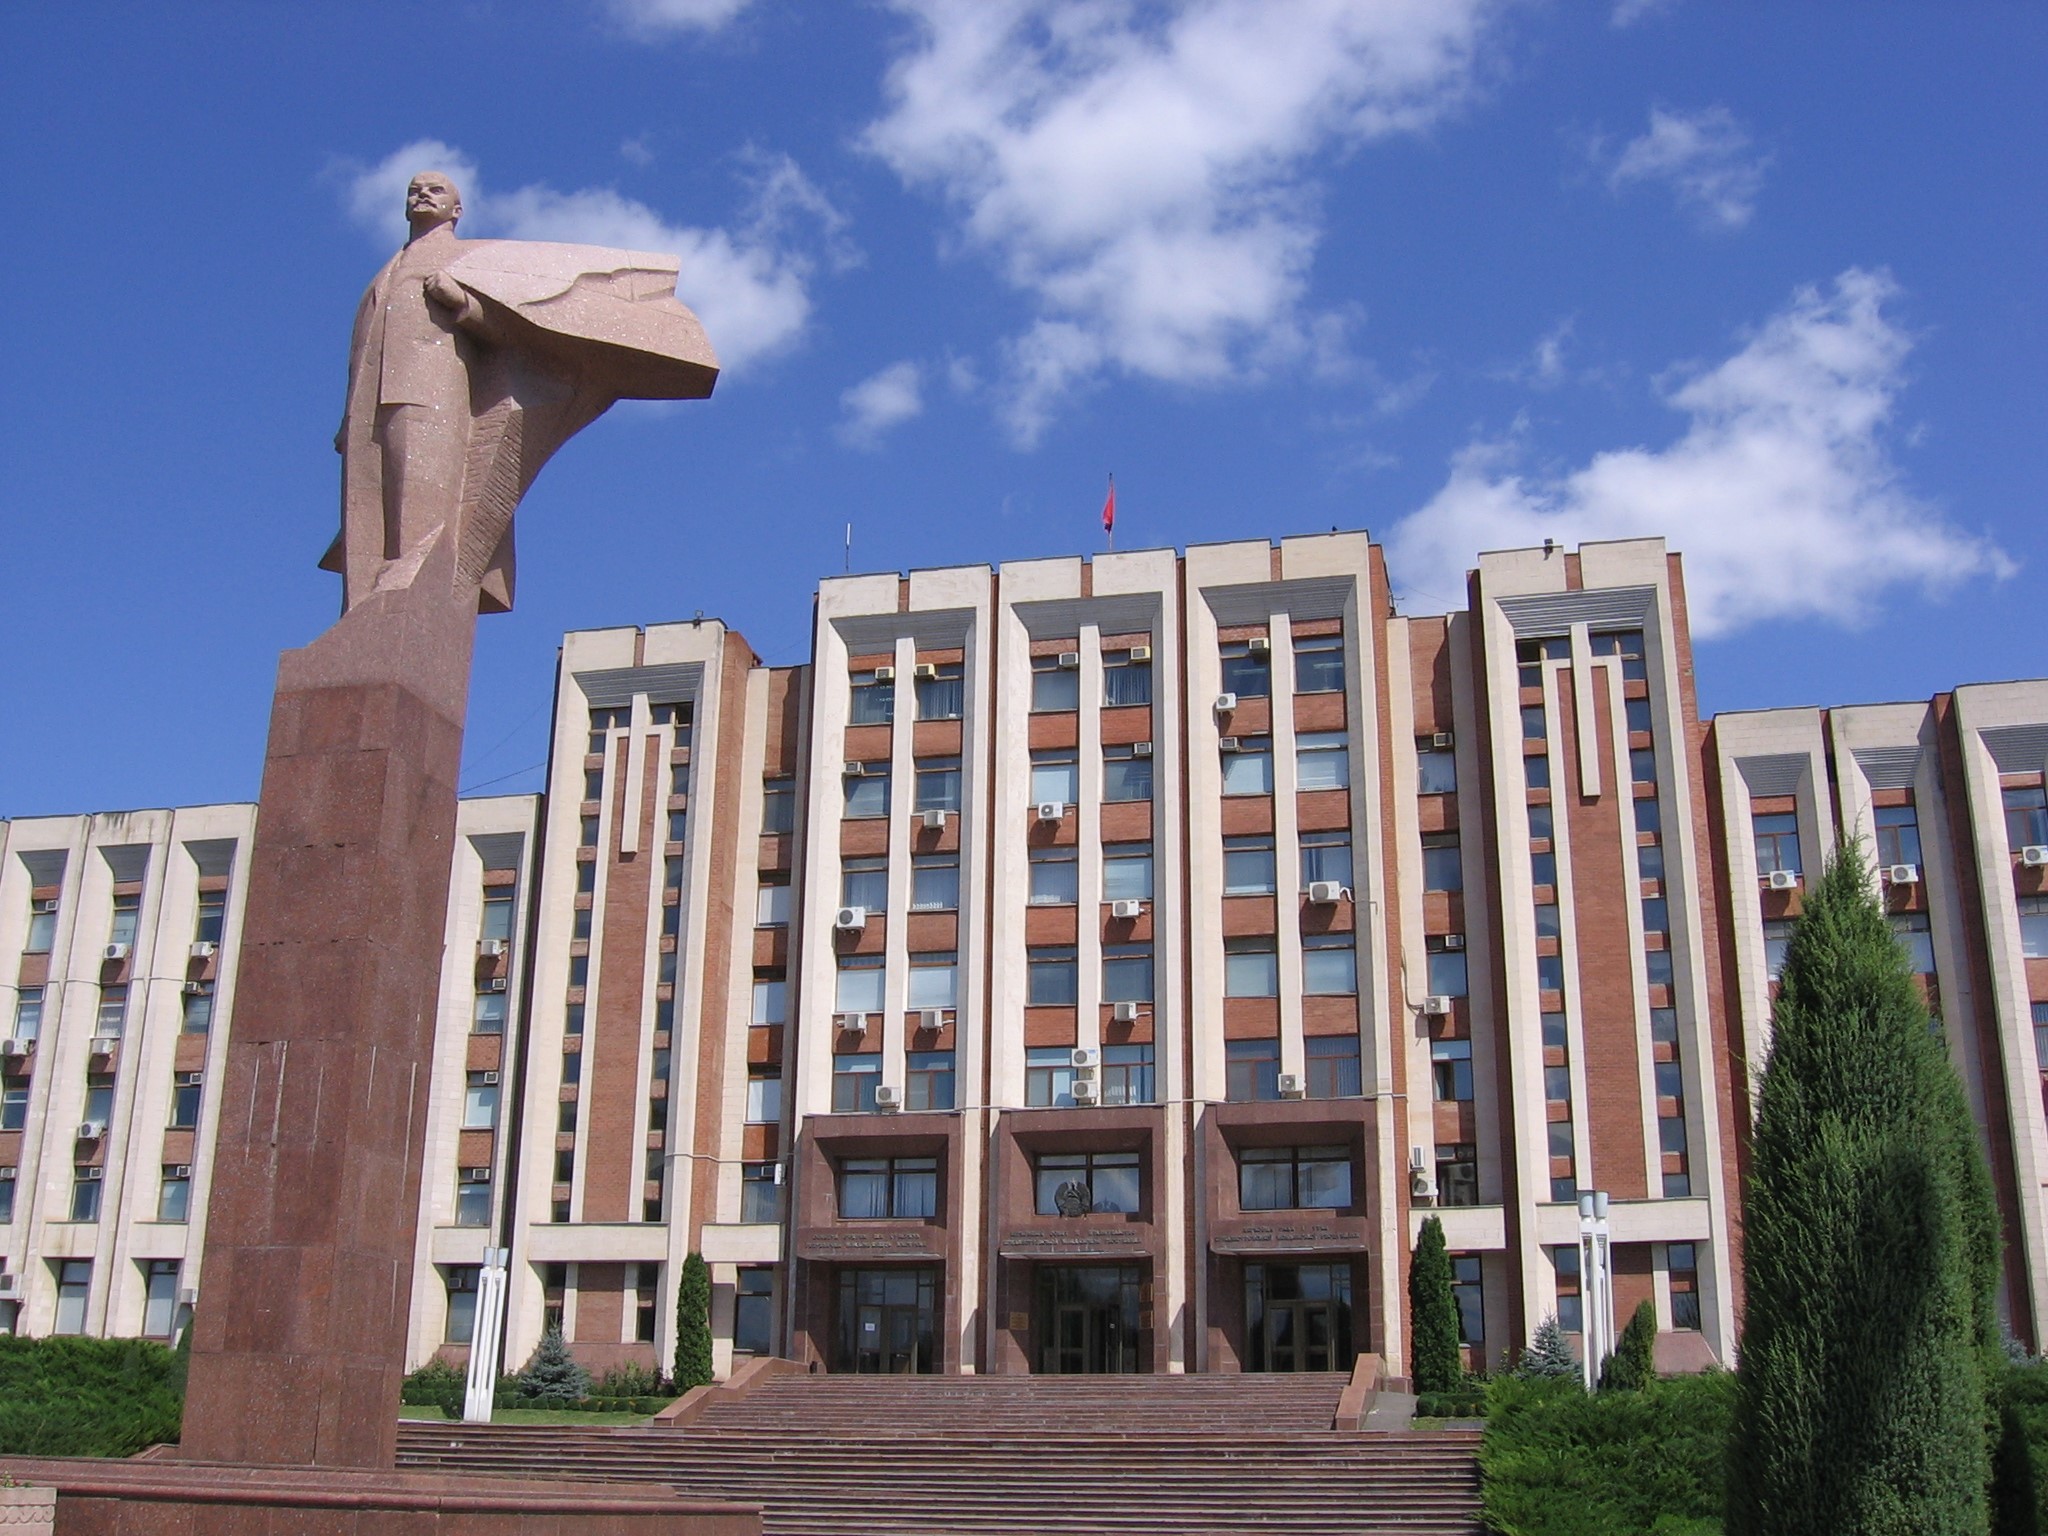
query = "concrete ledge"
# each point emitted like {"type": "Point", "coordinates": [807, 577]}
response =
{"type": "Point", "coordinates": [757, 1372]}
{"type": "Point", "coordinates": [1359, 1392]}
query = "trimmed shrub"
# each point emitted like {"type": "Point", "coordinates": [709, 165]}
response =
{"type": "Point", "coordinates": [1433, 1314]}
{"type": "Point", "coordinates": [86, 1397]}
{"type": "Point", "coordinates": [552, 1377]}
{"type": "Point", "coordinates": [630, 1381]}
{"type": "Point", "coordinates": [693, 1325]}
{"type": "Point", "coordinates": [2015, 1500]}
{"type": "Point", "coordinates": [1468, 1402]}
{"type": "Point", "coordinates": [1556, 1461]}
{"type": "Point", "coordinates": [1634, 1361]}
{"type": "Point", "coordinates": [437, 1384]}
{"type": "Point", "coordinates": [1549, 1356]}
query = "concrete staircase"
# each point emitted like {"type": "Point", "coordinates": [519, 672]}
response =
{"type": "Point", "coordinates": [927, 1455]}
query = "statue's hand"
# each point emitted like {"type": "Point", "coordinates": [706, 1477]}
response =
{"type": "Point", "coordinates": [446, 292]}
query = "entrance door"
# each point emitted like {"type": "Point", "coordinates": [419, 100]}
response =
{"type": "Point", "coordinates": [1088, 1319]}
{"type": "Point", "coordinates": [886, 1321]}
{"type": "Point", "coordinates": [1298, 1317]}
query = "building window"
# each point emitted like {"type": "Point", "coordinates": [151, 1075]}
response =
{"type": "Point", "coordinates": [935, 882]}
{"type": "Point", "coordinates": [1450, 1066]}
{"type": "Point", "coordinates": [861, 984]}
{"type": "Point", "coordinates": [1051, 976]}
{"type": "Point", "coordinates": [938, 784]}
{"type": "Point", "coordinates": [1681, 1263]}
{"type": "Point", "coordinates": [1127, 872]}
{"type": "Point", "coordinates": [1664, 1025]}
{"type": "Point", "coordinates": [460, 1283]}
{"type": "Point", "coordinates": [42, 928]}
{"type": "Point", "coordinates": [753, 1311]}
{"type": "Point", "coordinates": [1125, 681]}
{"type": "Point", "coordinates": [74, 1281]}
{"type": "Point", "coordinates": [1319, 664]}
{"type": "Point", "coordinates": [1549, 921]}
{"type": "Point", "coordinates": [1055, 877]}
{"type": "Point", "coordinates": [1251, 1071]}
{"type": "Point", "coordinates": [2034, 927]}
{"type": "Point", "coordinates": [7, 1182]}
{"type": "Point", "coordinates": [864, 883]}
{"type": "Point", "coordinates": [941, 695]}
{"type": "Point", "coordinates": [1054, 687]}
{"type": "Point", "coordinates": [2026, 820]}
{"type": "Point", "coordinates": [1642, 765]}
{"type": "Point", "coordinates": [760, 1193]}
{"type": "Point", "coordinates": [1898, 834]}
{"type": "Point", "coordinates": [854, 1081]}
{"type": "Point", "coordinates": [1105, 1181]}
{"type": "Point", "coordinates": [1777, 939]}
{"type": "Point", "coordinates": [473, 1198]}
{"type": "Point", "coordinates": [1248, 673]}
{"type": "Point", "coordinates": [1777, 842]}
{"type": "Point", "coordinates": [867, 793]}
{"type": "Point", "coordinates": [1329, 965]}
{"type": "Point", "coordinates": [1049, 1077]}
{"type": "Point", "coordinates": [1447, 975]}
{"type": "Point", "coordinates": [764, 1095]}
{"type": "Point", "coordinates": [113, 1011]}
{"type": "Point", "coordinates": [197, 1008]}
{"type": "Point", "coordinates": [1249, 769]}
{"type": "Point", "coordinates": [603, 722]}
{"type": "Point", "coordinates": [1531, 654]}
{"type": "Point", "coordinates": [1055, 777]}
{"type": "Point", "coordinates": [85, 1193]}
{"type": "Point", "coordinates": [1536, 772]}
{"type": "Point", "coordinates": [778, 804]}
{"type": "Point", "coordinates": [1248, 865]}
{"type": "Point", "coordinates": [1294, 1178]}
{"type": "Point", "coordinates": [1911, 931]}
{"type": "Point", "coordinates": [1126, 1074]}
{"type": "Point", "coordinates": [1251, 966]}
{"type": "Point", "coordinates": [771, 998]}
{"type": "Point", "coordinates": [1127, 973]}
{"type": "Point", "coordinates": [879, 1188]}
{"type": "Point", "coordinates": [2041, 1035]}
{"type": "Point", "coordinates": [1443, 864]}
{"type": "Point", "coordinates": [928, 1080]}
{"type": "Point", "coordinates": [1637, 712]}
{"type": "Point", "coordinates": [1628, 645]}
{"type": "Point", "coordinates": [871, 700]}
{"type": "Point", "coordinates": [1650, 861]}
{"type": "Point", "coordinates": [1125, 775]}
{"type": "Point", "coordinates": [1467, 1292]}
{"type": "Point", "coordinates": [1533, 726]}
{"type": "Point", "coordinates": [1325, 856]}
{"type": "Point", "coordinates": [174, 1193]}
{"type": "Point", "coordinates": [28, 1013]}
{"type": "Point", "coordinates": [1457, 1173]}
{"type": "Point", "coordinates": [213, 917]}
{"type": "Point", "coordinates": [1542, 824]}
{"type": "Point", "coordinates": [934, 979]}
{"type": "Point", "coordinates": [1656, 915]}
{"type": "Point", "coordinates": [771, 903]}
{"type": "Point", "coordinates": [127, 914]}
{"type": "Point", "coordinates": [185, 1093]}
{"type": "Point", "coordinates": [487, 1016]}
{"type": "Point", "coordinates": [1543, 870]}
{"type": "Point", "coordinates": [646, 1299]}
{"type": "Point", "coordinates": [1564, 1261]}
{"type": "Point", "coordinates": [14, 1105]}
{"type": "Point", "coordinates": [1436, 771]}
{"type": "Point", "coordinates": [480, 1102]}
{"type": "Point", "coordinates": [587, 836]}
{"type": "Point", "coordinates": [1555, 1029]}
{"type": "Point", "coordinates": [1333, 1071]}
{"type": "Point", "coordinates": [1322, 760]}
{"type": "Point", "coordinates": [1657, 970]}
{"type": "Point", "coordinates": [1649, 819]}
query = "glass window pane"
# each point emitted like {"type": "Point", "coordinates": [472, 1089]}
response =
{"type": "Point", "coordinates": [1323, 761]}
{"type": "Point", "coordinates": [1319, 665]}
{"type": "Point", "coordinates": [1326, 856]}
{"type": "Point", "coordinates": [933, 982]}
{"type": "Point", "coordinates": [1437, 772]}
{"type": "Point", "coordinates": [1052, 977]}
{"type": "Point", "coordinates": [1055, 877]}
{"type": "Point", "coordinates": [1248, 773]}
{"type": "Point", "coordinates": [1251, 968]}
{"type": "Point", "coordinates": [867, 795]}
{"type": "Point", "coordinates": [1447, 973]}
{"type": "Point", "coordinates": [1127, 684]}
{"type": "Point", "coordinates": [1127, 973]}
{"type": "Point", "coordinates": [1055, 688]}
{"type": "Point", "coordinates": [1329, 970]}
{"type": "Point", "coordinates": [1248, 866]}
{"type": "Point", "coordinates": [1127, 872]}
{"type": "Point", "coordinates": [1054, 780]}
{"type": "Point", "coordinates": [860, 987]}
{"type": "Point", "coordinates": [935, 884]}
{"type": "Point", "coordinates": [1126, 778]}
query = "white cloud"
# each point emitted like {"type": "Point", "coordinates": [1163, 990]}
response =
{"type": "Point", "coordinates": [659, 18]}
{"type": "Point", "coordinates": [1627, 13]}
{"type": "Point", "coordinates": [1706, 159]}
{"type": "Point", "coordinates": [875, 404]}
{"type": "Point", "coordinates": [1781, 494]}
{"type": "Point", "coordinates": [1145, 172]}
{"type": "Point", "coordinates": [750, 286]}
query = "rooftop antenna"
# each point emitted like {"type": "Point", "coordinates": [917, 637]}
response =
{"type": "Point", "coordinates": [846, 565]}
{"type": "Point", "coordinates": [1548, 545]}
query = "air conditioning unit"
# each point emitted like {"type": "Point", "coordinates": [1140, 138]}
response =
{"type": "Point", "coordinates": [495, 984]}
{"type": "Point", "coordinates": [92, 1175]}
{"type": "Point", "coordinates": [188, 1296]}
{"type": "Point", "coordinates": [885, 674]}
{"type": "Point", "coordinates": [190, 1079]}
{"type": "Point", "coordinates": [1228, 743]}
{"type": "Point", "coordinates": [490, 1079]}
{"type": "Point", "coordinates": [852, 1023]}
{"type": "Point", "coordinates": [850, 919]}
{"type": "Point", "coordinates": [854, 770]}
{"type": "Point", "coordinates": [1443, 741]}
{"type": "Point", "coordinates": [115, 952]}
{"type": "Point", "coordinates": [933, 821]}
{"type": "Point", "coordinates": [1903, 874]}
{"type": "Point", "coordinates": [1141, 653]}
{"type": "Point", "coordinates": [1323, 893]}
{"type": "Point", "coordinates": [104, 1045]}
{"type": "Point", "coordinates": [1419, 1185]}
{"type": "Point", "coordinates": [194, 989]}
{"type": "Point", "coordinates": [14, 1047]}
{"type": "Point", "coordinates": [1782, 880]}
{"type": "Point", "coordinates": [1051, 810]}
{"type": "Point", "coordinates": [1454, 941]}
{"type": "Point", "coordinates": [181, 1170]}
{"type": "Point", "coordinates": [2034, 855]}
{"type": "Point", "coordinates": [888, 1097]}
{"type": "Point", "coordinates": [1085, 1092]}
{"type": "Point", "coordinates": [204, 949]}
{"type": "Point", "coordinates": [931, 1018]}
{"type": "Point", "coordinates": [1292, 1085]}
{"type": "Point", "coordinates": [1141, 749]}
{"type": "Point", "coordinates": [476, 1175]}
{"type": "Point", "coordinates": [1436, 1005]}
{"type": "Point", "coordinates": [925, 672]}
{"type": "Point", "coordinates": [92, 1130]}
{"type": "Point", "coordinates": [1069, 660]}
{"type": "Point", "coordinates": [1126, 908]}
{"type": "Point", "coordinates": [490, 949]}
{"type": "Point", "coordinates": [1259, 645]}
{"type": "Point", "coordinates": [1124, 1013]}
{"type": "Point", "coordinates": [1225, 703]}
{"type": "Point", "coordinates": [1084, 1058]}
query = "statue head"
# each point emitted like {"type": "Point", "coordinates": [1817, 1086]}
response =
{"type": "Point", "coordinates": [432, 200]}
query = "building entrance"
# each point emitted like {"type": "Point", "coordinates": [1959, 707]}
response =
{"type": "Point", "coordinates": [1298, 1317]}
{"type": "Point", "coordinates": [887, 1321]}
{"type": "Point", "coordinates": [1087, 1321]}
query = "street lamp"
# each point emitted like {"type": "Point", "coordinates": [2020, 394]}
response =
{"type": "Point", "coordinates": [1596, 1285]}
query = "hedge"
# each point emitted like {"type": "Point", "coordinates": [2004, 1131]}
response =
{"type": "Point", "coordinates": [86, 1397]}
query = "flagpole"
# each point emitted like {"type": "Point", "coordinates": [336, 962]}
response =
{"type": "Point", "coordinates": [1109, 514]}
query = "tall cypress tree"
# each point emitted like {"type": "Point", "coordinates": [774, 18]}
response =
{"type": "Point", "coordinates": [693, 1325]}
{"type": "Point", "coordinates": [1433, 1314]}
{"type": "Point", "coordinates": [1870, 1251]}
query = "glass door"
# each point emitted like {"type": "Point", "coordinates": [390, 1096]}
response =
{"type": "Point", "coordinates": [1088, 1319]}
{"type": "Point", "coordinates": [887, 1321]}
{"type": "Point", "coordinates": [1298, 1317]}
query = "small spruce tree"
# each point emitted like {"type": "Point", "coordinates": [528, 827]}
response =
{"type": "Point", "coordinates": [1433, 1314]}
{"type": "Point", "coordinates": [693, 1325]}
{"type": "Point", "coordinates": [1633, 1365]}
{"type": "Point", "coordinates": [1549, 1355]}
{"type": "Point", "coordinates": [552, 1373]}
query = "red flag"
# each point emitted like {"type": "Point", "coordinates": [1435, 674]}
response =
{"type": "Point", "coordinates": [1109, 508]}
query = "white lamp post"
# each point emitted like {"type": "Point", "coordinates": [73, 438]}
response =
{"type": "Point", "coordinates": [484, 1334]}
{"type": "Point", "coordinates": [1596, 1285]}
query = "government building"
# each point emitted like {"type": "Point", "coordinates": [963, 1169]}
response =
{"type": "Point", "coordinates": [1077, 966]}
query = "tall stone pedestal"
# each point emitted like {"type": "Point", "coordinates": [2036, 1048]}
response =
{"type": "Point", "coordinates": [301, 1325]}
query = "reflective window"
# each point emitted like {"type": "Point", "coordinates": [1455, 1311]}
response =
{"type": "Point", "coordinates": [1125, 775]}
{"type": "Point", "coordinates": [1055, 777]}
{"type": "Point", "coordinates": [1916, 939]}
{"type": "Point", "coordinates": [941, 697]}
{"type": "Point", "coordinates": [1125, 681]}
{"type": "Point", "coordinates": [1103, 1181]}
{"type": "Point", "coordinates": [1251, 966]}
{"type": "Point", "coordinates": [1322, 760]}
{"type": "Point", "coordinates": [1249, 770]}
{"type": "Point", "coordinates": [1054, 687]}
{"type": "Point", "coordinates": [2026, 818]}
{"type": "Point", "coordinates": [928, 1080]}
{"type": "Point", "coordinates": [1294, 1178]}
{"type": "Point", "coordinates": [1246, 673]}
{"type": "Point", "coordinates": [1447, 973]}
{"type": "Point", "coordinates": [860, 984]}
{"type": "Point", "coordinates": [1319, 664]}
{"type": "Point", "coordinates": [878, 1188]}
{"type": "Point", "coordinates": [1777, 938]}
{"type": "Point", "coordinates": [867, 795]}
{"type": "Point", "coordinates": [771, 904]}
{"type": "Point", "coordinates": [2033, 927]}
{"type": "Point", "coordinates": [1049, 1077]}
{"type": "Point", "coordinates": [1450, 1065]}
{"type": "Point", "coordinates": [1898, 834]}
{"type": "Point", "coordinates": [938, 784]}
{"type": "Point", "coordinates": [935, 882]}
{"type": "Point", "coordinates": [764, 1095]}
{"type": "Point", "coordinates": [1051, 975]}
{"type": "Point", "coordinates": [1326, 856]}
{"type": "Point", "coordinates": [1777, 842]}
{"type": "Point", "coordinates": [1443, 866]}
{"type": "Point", "coordinates": [1127, 872]}
{"type": "Point", "coordinates": [771, 999]}
{"type": "Point", "coordinates": [1126, 1074]}
{"type": "Point", "coordinates": [1055, 877]}
{"type": "Point", "coordinates": [873, 702]}
{"type": "Point", "coordinates": [1333, 1067]}
{"type": "Point", "coordinates": [174, 1193]}
{"type": "Point", "coordinates": [854, 1081]}
{"type": "Point", "coordinates": [1127, 973]}
{"type": "Point", "coordinates": [1248, 865]}
{"type": "Point", "coordinates": [864, 883]}
{"type": "Point", "coordinates": [1329, 965]}
{"type": "Point", "coordinates": [934, 980]}
{"type": "Point", "coordinates": [760, 1194]}
{"type": "Point", "coordinates": [1251, 1071]}
{"type": "Point", "coordinates": [1457, 1173]}
{"type": "Point", "coordinates": [778, 804]}
{"type": "Point", "coordinates": [1436, 771]}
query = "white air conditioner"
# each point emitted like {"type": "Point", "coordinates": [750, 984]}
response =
{"type": "Point", "coordinates": [1228, 743]}
{"type": "Point", "coordinates": [1141, 653]}
{"type": "Point", "coordinates": [1124, 1013]}
{"type": "Point", "coordinates": [1419, 1186]}
{"type": "Point", "coordinates": [490, 1079]}
{"type": "Point", "coordinates": [476, 1175]}
{"type": "Point", "coordinates": [1323, 893]}
{"type": "Point", "coordinates": [190, 1079]}
{"type": "Point", "coordinates": [1903, 874]}
{"type": "Point", "coordinates": [91, 1130]}
{"type": "Point", "coordinates": [932, 820]}
{"type": "Point", "coordinates": [1141, 749]}
{"type": "Point", "coordinates": [888, 1096]}
{"type": "Point", "coordinates": [1454, 941]}
{"type": "Point", "coordinates": [204, 949]}
{"type": "Point", "coordinates": [1259, 645]}
{"type": "Point", "coordinates": [495, 984]}
{"type": "Point", "coordinates": [1127, 908]}
{"type": "Point", "coordinates": [1782, 880]}
{"type": "Point", "coordinates": [104, 1045]}
{"type": "Point", "coordinates": [852, 1023]}
{"type": "Point", "coordinates": [1436, 1005]}
{"type": "Point", "coordinates": [885, 674]}
{"type": "Point", "coordinates": [115, 952]}
{"type": "Point", "coordinates": [925, 672]}
{"type": "Point", "coordinates": [92, 1175]}
{"type": "Point", "coordinates": [1292, 1086]}
{"type": "Point", "coordinates": [1225, 703]}
{"type": "Point", "coordinates": [490, 949]}
{"type": "Point", "coordinates": [194, 989]}
{"type": "Point", "coordinates": [2034, 855]}
{"type": "Point", "coordinates": [1051, 810]}
{"type": "Point", "coordinates": [1085, 1091]}
{"type": "Point", "coordinates": [854, 770]}
{"type": "Point", "coordinates": [931, 1018]}
{"type": "Point", "coordinates": [850, 919]}
{"type": "Point", "coordinates": [188, 1296]}
{"type": "Point", "coordinates": [1442, 741]}
{"type": "Point", "coordinates": [13, 1047]}
{"type": "Point", "coordinates": [181, 1170]}
{"type": "Point", "coordinates": [1069, 660]}
{"type": "Point", "coordinates": [1084, 1058]}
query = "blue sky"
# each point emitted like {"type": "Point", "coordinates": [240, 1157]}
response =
{"type": "Point", "coordinates": [1765, 278]}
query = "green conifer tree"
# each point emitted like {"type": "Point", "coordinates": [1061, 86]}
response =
{"type": "Point", "coordinates": [1870, 1251]}
{"type": "Point", "coordinates": [1433, 1357]}
{"type": "Point", "coordinates": [1549, 1355]}
{"type": "Point", "coordinates": [693, 1325]}
{"type": "Point", "coordinates": [552, 1373]}
{"type": "Point", "coordinates": [1633, 1365]}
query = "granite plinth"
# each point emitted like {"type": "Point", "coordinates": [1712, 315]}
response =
{"type": "Point", "coordinates": [183, 1498]}
{"type": "Point", "coordinates": [299, 1334]}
